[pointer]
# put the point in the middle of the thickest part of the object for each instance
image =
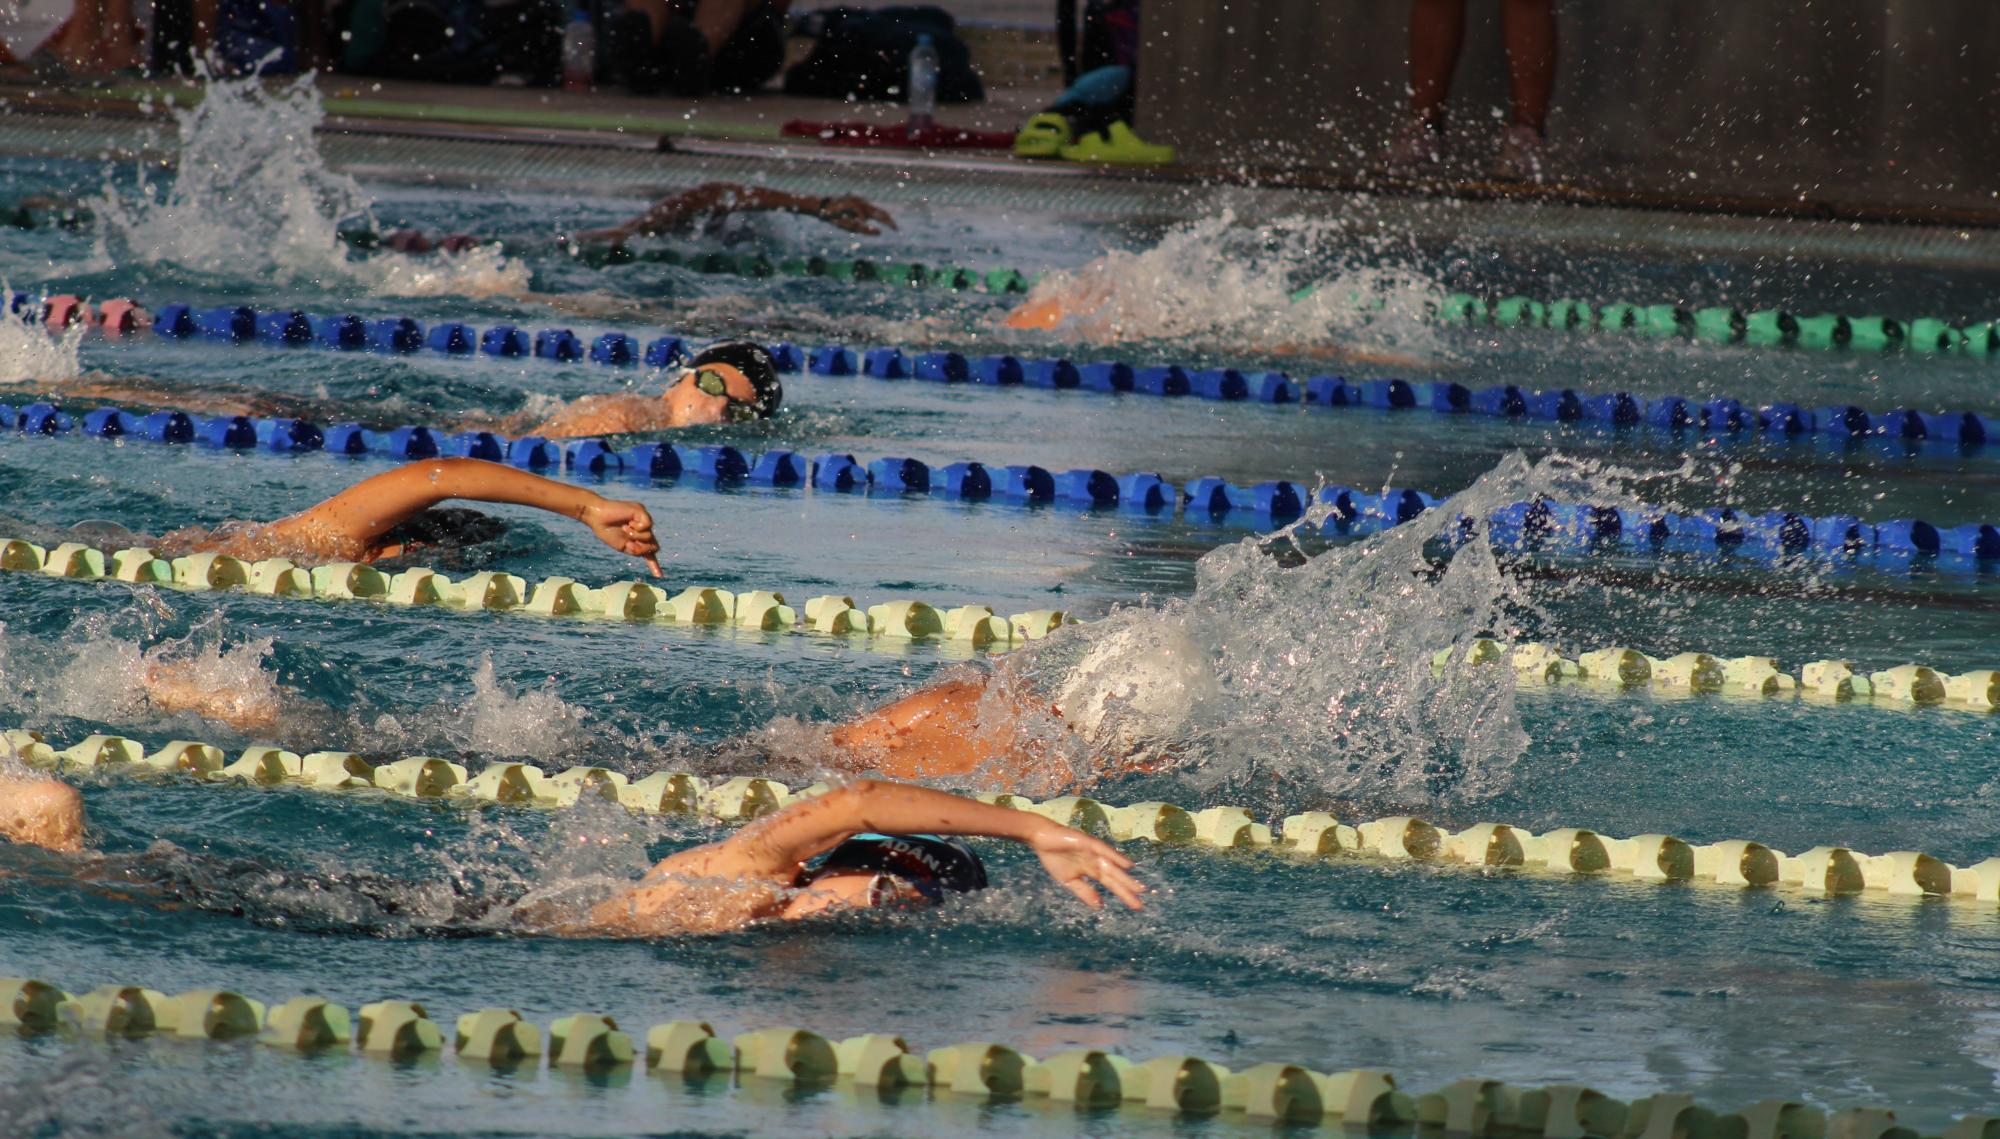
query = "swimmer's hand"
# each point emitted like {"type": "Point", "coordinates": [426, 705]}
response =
{"type": "Point", "coordinates": [1074, 859]}
{"type": "Point", "coordinates": [855, 215]}
{"type": "Point", "coordinates": [625, 527]}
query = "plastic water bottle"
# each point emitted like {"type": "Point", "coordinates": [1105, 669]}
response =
{"type": "Point", "coordinates": [923, 83]}
{"type": "Point", "coordinates": [579, 51]}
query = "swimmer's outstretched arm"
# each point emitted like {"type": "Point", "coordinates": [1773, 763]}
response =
{"type": "Point", "coordinates": [364, 512]}
{"type": "Point", "coordinates": [769, 852]}
{"type": "Point", "coordinates": [817, 825]}
{"type": "Point", "coordinates": [718, 199]}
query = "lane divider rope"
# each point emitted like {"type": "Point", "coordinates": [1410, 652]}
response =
{"type": "Point", "coordinates": [877, 1063]}
{"type": "Point", "coordinates": [1824, 870]}
{"type": "Point", "coordinates": [1839, 424]}
{"type": "Point", "coordinates": [76, 219]}
{"type": "Point", "coordinates": [971, 626]}
{"type": "Point", "coordinates": [1723, 324]}
{"type": "Point", "coordinates": [898, 621]}
{"type": "Point", "coordinates": [1541, 523]}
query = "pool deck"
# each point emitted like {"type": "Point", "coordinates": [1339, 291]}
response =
{"type": "Point", "coordinates": [750, 126]}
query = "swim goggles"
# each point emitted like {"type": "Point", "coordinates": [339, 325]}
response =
{"type": "Point", "coordinates": [708, 381]}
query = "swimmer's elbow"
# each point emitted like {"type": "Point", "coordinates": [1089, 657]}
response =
{"type": "Point", "coordinates": [860, 800]}
{"type": "Point", "coordinates": [861, 793]}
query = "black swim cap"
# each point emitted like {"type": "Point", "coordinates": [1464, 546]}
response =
{"type": "Point", "coordinates": [756, 364]}
{"type": "Point", "coordinates": [443, 530]}
{"type": "Point", "coordinates": [931, 864]}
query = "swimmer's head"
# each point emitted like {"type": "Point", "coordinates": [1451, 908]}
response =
{"type": "Point", "coordinates": [439, 527]}
{"type": "Point", "coordinates": [1138, 686]}
{"type": "Point", "coordinates": [907, 869]}
{"type": "Point", "coordinates": [105, 533]}
{"type": "Point", "coordinates": [735, 381]}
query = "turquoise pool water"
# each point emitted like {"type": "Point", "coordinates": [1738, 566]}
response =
{"type": "Point", "coordinates": [1432, 972]}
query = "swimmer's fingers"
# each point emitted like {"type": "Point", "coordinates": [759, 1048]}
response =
{"type": "Point", "coordinates": [856, 215]}
{"type": "Point", "coordinates": [646, 549]}
{"type": "Point", "coordinates": [1082, 890]}
{"type": "Point", "coordinates": [875, 213]}
{"type": "Point", "coordinates": [1075, 859]}
{"type": "Point", "coordinates": [1123, 886]}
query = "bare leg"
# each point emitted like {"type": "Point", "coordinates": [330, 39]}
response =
{"type": "Point", "coordinates": [1530, 30]}
{"type": "Point", "coordinates": [76, 44]}
{"type": "Point", "coordinates": [717, 20]}
{"type": "Point", "coordinates": [657, 13]}
{"type": "Point", "coordinates": [118, 43]}
{"type": "Point", "coordinates": [207, 13]}
{"type": "Point", "coordinates": [1437, 33]}
{"type": "Point", "coordinates": [42, 812]}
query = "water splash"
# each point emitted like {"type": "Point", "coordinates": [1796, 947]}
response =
{"type": "Point", "coordinates": [250, 193]}
{"type": "Point", "coordinates": [496, 721]}
{"type": "Point", "coordinates": [1324, 659]}
{"type": "Point", "coordinates": [251, 196]}
{"type": "Point", "coordinates": [109, 678]}
{"type": "Point", "coordinates": [481, 271]}
{"type": "Point", "coordinates": [29, 353]}
{"type": "Point", "coordinates": [1215, 282]}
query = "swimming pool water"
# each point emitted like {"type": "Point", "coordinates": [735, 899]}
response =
{"type": "Point", "coordinates": [1431, 972]}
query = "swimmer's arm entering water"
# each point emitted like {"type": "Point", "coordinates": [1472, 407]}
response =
{"type": "Point", "coordinates": [357, 518]}
{"type": "Point", "coordinates": [725, 884]}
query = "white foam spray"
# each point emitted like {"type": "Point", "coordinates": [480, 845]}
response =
{"type": "Point", "coordinates": [1325, 662]}
{"type": "Point", "coordinates": [251, 196]}
{"type": "Point", "coordinates": [29, 353]}
{"type": "Point", "coordinates": [536, 725]}
{"type": "Point", "coordinates": [1214, 282]}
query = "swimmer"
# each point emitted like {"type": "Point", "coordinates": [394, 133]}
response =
{"type": "Point", "coordinates": [867, 844]}
{"type": "Point", "coordinates": [176, 686]}
{"type": "Point", "coordinates": [886, 844]}
{"type": "Point", "coordinates": [1089, 703]}
{"type": "Point", "coordinates": [702, 208]}
{"type": "Point", "coordinates": [389, 515]}
{"type": "Point", "coordinates": [1097, 304]}
{"type": "Point", "coordinates": [36, 810]}
{"type": "Point", "coordinates": [711, 202]}
{"type": "Point", "coordinates": [730, 382]}
{"type": "Point", "coordinates": [734, 382]}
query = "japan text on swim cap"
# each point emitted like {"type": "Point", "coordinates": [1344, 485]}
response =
{"type": "Point", "coordinates": [931, 864]}
{"type": "Point", "coordinates": [756, 365]}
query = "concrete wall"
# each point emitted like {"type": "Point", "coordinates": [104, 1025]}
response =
{"type": "Point", "coordinates": [1891, 100]}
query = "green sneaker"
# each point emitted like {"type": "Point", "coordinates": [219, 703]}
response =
{"type": "Point", "coordinates": [1044, 136]}
{"type": "Point", "coordinates": [1118, 146]}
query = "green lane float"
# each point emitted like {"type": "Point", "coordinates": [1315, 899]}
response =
{"type": "Point", "coordinates": [1721, 324]}
{"type": "Point", "coordinates": [1823, 870]}
{"type": "Point", "coordinates": [1085, 1078]}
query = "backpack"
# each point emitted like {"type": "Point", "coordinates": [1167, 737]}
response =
{"type": "Point", "coordinates": [865, 54]}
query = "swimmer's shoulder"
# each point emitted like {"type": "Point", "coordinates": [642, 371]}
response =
{"type": "Point", "coordinates": [617, 413]}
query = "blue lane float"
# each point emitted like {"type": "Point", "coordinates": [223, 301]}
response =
{"type": "Point", "coordinates": [241, 324]}
{"type": "Point", "coordinates": [1540, 524]}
